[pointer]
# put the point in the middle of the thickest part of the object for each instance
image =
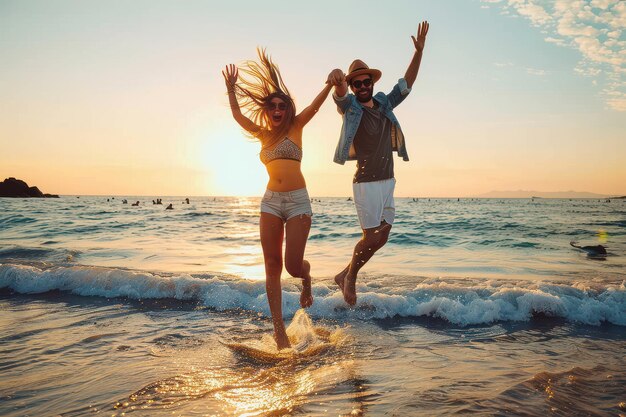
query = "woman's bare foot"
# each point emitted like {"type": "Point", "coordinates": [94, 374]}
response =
{"type": "Point", "coordinates": [339, 278]}
{"type": "Point", "coordinates": [306, 297]}
{"type": "Point", "coordinates": [349, 289]}
{"type": "Point", "coordinates": [282, 341]}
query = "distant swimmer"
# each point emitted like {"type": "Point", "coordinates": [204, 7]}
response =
{"type": "Point", "coordinates": [124, 201]}
{"type": "Point", "coordinates": [169, 207]}
{"type": "Point", "coordinates": [135, 204]}
{"type": "Point", "coordinates": [596, 250]}
{"type": "Point", "coordinates": [187, 200]}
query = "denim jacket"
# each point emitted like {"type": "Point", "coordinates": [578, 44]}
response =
{"type": "Point", "coordinates": [352, 110]}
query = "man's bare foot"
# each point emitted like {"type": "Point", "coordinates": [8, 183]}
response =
{"type": "Point", "coordinates": [349, 289]}
{"type": "Point", "coordinates": [339, 278]}
{"type": "Point", "coordinates": [306, 297]}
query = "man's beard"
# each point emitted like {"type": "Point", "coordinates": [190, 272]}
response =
{"type": "Point", "coordinates": [364, 98]}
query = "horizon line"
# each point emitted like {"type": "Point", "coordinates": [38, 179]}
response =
{"type": "Point", "coordinates": [312, 196]}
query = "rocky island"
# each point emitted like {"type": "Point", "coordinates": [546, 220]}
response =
{"type": "Point", "coordinates": [12, 187]}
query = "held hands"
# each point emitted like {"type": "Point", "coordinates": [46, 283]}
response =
{"type": "Point", "coordinates": [422, 30]}
{"type": "Point", "coordinates": [336, 77]}
{"type": "Point", "coordinates": [230, 73]}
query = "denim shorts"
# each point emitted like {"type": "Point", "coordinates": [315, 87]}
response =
{"type": "Point", "coordinates": [286, 204]}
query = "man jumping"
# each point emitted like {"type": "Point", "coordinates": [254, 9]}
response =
{"type": "Point", "coordinates": [369, 135]}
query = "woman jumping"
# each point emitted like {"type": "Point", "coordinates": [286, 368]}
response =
{"type": "Point", "coordinates": [286, 206]}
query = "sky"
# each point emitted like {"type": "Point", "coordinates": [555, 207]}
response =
{"type": "Point", "coordinates": [127, 97]}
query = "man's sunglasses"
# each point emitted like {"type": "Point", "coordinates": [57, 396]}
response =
{"type": "Point", "coordinates": [358, 83]}
{"type": "Point", "coordinates": [279, 106]}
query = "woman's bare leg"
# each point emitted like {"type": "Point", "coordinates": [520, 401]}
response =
{"type": "Point", "coordinates": [297, 234]}
{"type": "Point", "coordinates": [271, 228]}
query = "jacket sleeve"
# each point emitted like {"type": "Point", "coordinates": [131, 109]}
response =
{"type": "Point", "coordinates": [342, 102]}
{"type": "Point", "coordinates": [400, 91]}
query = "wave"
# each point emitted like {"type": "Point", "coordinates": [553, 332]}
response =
{"type": "Point", "coordinates": [525, 245]}
{"type": "Point", "coordinates": [198, 214]}
{"type": "Point", "coordinates": [461, 303]}
{"type": "Point", "coordinates": [577, 391]}
{"type": "Point", "coordinates": [38, 254]}
{"type": "Point", "coordinates": [616, 223]}
{"type": "Point", "coordinates": [335, 235]}
{"type": "Point", "coordinates": [16, 219]}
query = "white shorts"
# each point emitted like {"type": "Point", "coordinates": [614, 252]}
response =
{"type": "Point", "coordinates": [374, 202]}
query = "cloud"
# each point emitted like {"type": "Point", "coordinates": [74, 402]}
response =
{"type": "Point", "coordinates": [587, 71]}
{"type": "Point", "coordinates": [535, 13]}
{"type": "Point", "coordinates": [537, 72]}
{"type": "Point", "coordinates": [601, 4]}
{"type": "Point", "coordinates": [618, 103]}
{"type": "Point", "coordinates": [615, 34]}
{"type": "Point", "coordinates": [557, 41]}
{"type": "Point", "coordinates": [593, 27]}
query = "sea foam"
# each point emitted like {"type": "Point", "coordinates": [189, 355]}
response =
{"type": "Point", "coordinates": [462, 302]}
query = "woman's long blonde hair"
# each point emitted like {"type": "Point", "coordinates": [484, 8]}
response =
{"type": "Point", "coordinates": [259, 84]}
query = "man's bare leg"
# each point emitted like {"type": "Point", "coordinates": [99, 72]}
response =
{"type": "Point", "coordinates": [341, 276]}
{"type": "Point", "coordinates": [372, 240]}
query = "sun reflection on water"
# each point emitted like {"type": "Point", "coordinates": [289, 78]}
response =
{"type": "Point", "coordinates": [244, 261]}
{"type": "Point", "coordinates": [245, 392]}
{"type": "Point", "coordinates": [253, 378]}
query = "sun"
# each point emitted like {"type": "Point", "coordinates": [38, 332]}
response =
{"type": "Point", "coordinates": [233, 163]}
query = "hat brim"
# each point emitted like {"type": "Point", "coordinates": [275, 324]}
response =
{"type": "Point", "coordinates": [374, 73]}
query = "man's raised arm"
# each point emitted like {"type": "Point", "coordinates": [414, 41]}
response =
{"type": "Point", "coordinates": [414, 66]}
{"type": "Point", "coordinates": [338, 79]}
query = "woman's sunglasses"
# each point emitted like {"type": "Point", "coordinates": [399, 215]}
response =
{"type": "Point", "coordinates": [280, 106]}
{"type": "Point", "coordinates": [358, 83]}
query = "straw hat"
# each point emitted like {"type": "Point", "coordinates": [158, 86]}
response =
{"type": "Point", "coordinates": [359, 67]}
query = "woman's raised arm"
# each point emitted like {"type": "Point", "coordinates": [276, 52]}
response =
{"type": "Point", "coordinates": [231, 73]}
{"type": "Point", "coordinates": [307, 114]}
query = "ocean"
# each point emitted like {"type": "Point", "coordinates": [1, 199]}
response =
{"type": "Point", "coordinates": [474, 306]}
